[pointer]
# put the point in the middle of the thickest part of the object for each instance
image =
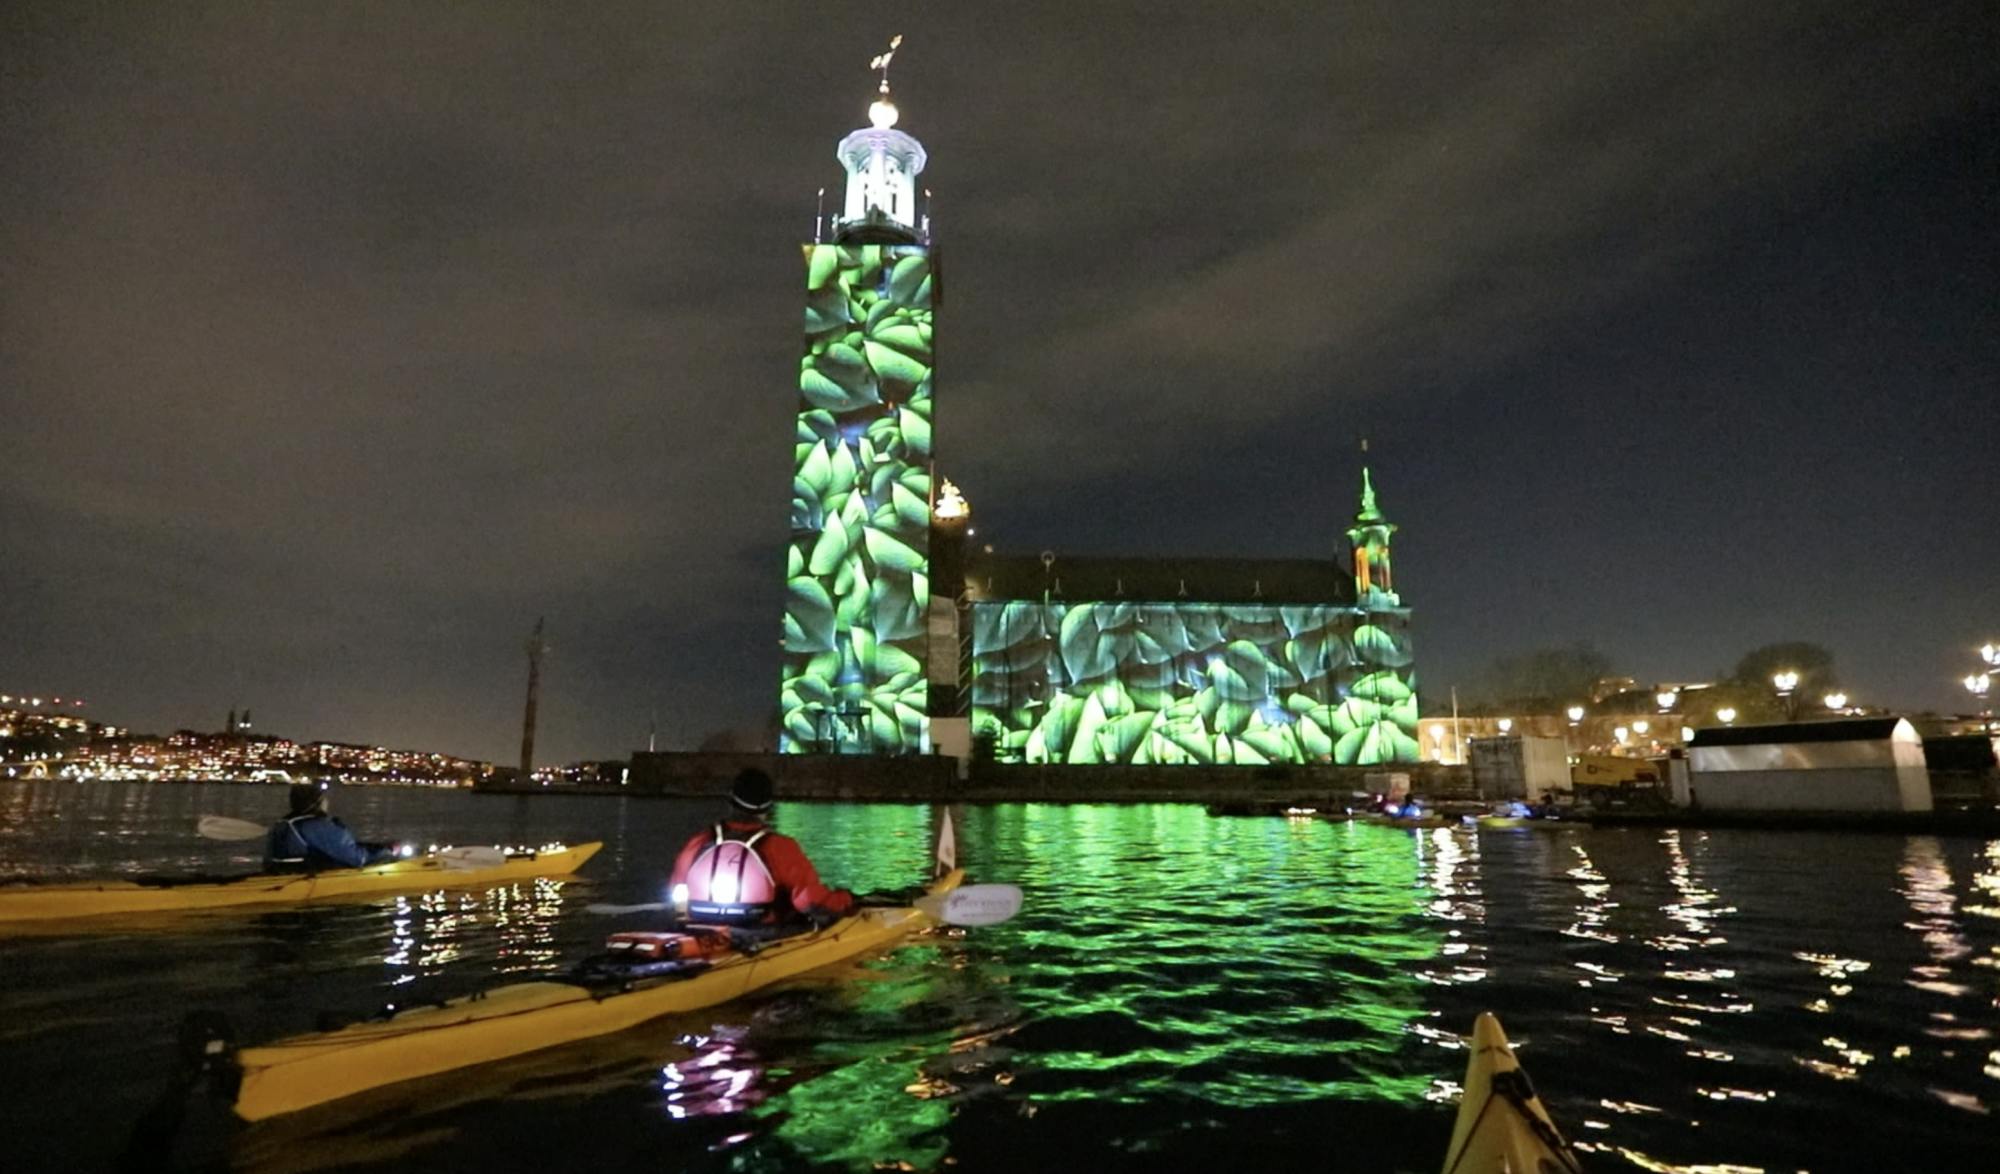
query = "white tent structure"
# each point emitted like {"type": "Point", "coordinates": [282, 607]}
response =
{"type": "Point", "coordinates": [1859, 765]}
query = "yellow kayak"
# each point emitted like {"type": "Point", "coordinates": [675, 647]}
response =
{"type": "Point", "coordinates": [312, 1069]}
{"type": "Point", "coordinates": [1502, 1127]}
{"type": "Point", "coordinates": [27, 903]}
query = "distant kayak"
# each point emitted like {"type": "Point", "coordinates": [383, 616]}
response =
{"type": "Point", "coordinates": [597, 999]}
{"type": "Point", "coordinates": [1420, 821]}
{"type": "Point", "coordinates": [440, 870]}
{"type": "Point", "coordinates": [1502, 1127]}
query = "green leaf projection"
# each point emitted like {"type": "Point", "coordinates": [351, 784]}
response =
{"type": "Point", "coordinates": [1145, 683]}
{"type": "Point", "coordinates": [859, 562]}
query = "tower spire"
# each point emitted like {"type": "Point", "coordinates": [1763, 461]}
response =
{"type": "Point", "coordinates": [882, 165]}
{"type": "Point", "coordinates": [1374, 585]}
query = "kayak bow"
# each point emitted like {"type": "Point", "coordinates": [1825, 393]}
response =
{"type": "Point", "coordinates": [92, 899]}
{"type": "Point", "coordinates": [312, 1069]}
{"type": "Point", "coordinates": [1502, 1127]}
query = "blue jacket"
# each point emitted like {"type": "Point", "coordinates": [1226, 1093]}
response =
{"type": "Point", "coordinates": [315, 843]}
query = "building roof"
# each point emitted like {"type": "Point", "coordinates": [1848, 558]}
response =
{"type": "Point", "coordinates": [1862, 729]}
{"type": "Point", "coordinates": [1162, 580]}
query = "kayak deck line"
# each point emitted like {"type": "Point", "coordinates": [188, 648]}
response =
{"type": "Point", "coordinates": [302, 1071]}
{"type": "Point", "coordinates": [30, 903]}
{"type": "Point", "coordinates": [1502, 1126]}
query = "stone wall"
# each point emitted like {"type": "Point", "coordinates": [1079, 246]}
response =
{"type": "Point", "coordinates": [918, 778]}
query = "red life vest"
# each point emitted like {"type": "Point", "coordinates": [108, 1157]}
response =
{"type": "Point", "coordinates": [730, 883]}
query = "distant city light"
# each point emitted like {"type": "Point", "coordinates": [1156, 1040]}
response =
{"type": "Point", "coordinates": [1506, 724]}
{"type": "Point", "coordinates": [1836, 700]}
{"type": "Point", "coordinates": [1575, 714]}
{"type": "Point", "coordinates": [1725, 715]}
{"type": "Point", "coordinates": [1785, 681]}
{"type": "Point", "coordinates": [1666, 698]}
{"type": "Point", "coordinates": [1642, 726]}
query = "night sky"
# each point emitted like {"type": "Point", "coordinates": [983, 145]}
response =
{"type": "Point", "coordinates": [338, 342]}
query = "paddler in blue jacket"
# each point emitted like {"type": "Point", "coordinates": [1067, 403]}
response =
{"type": "Point", "coordinates": [310, 840]}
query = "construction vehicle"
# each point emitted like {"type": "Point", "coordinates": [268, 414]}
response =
{"type": "Point", "coordinates": [1610, 781]}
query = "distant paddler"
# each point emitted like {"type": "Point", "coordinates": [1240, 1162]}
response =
{"type": "Point", "coordinates": [309, 839]}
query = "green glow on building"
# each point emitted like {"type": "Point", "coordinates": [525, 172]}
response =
{"type": "Point", "coordinates": [1167, 683]}
{"type": "Point", "coordinates": [858, 564]}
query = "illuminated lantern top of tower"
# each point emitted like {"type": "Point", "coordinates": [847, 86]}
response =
{"type": "Point", "coordinates": [882, 165]}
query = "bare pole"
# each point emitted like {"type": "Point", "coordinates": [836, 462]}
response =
{"type": "Point", "coordinates": [535, 648]}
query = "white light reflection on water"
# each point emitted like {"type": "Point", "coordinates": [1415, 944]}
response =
{"type": "Point", "coordinates": [517, 921]}
{"type": "Point", "coordinates": [1927, 886]}
{"type": "Point", "coordinates": [1986, 883]}
{"type": "Point", "coordinates": [1593, 910]}
{"type": "Point", "coordinates": [1448, 863]}
{"type": "Point", "coordinates": [1694, 912]}
{"type": "Point", "coordinates": [527, 922]}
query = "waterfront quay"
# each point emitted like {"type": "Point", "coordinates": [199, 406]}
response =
{"type": "Point", "coordinates": [938, 778]}
{"type": "Point", "coordinates": [1271, 788]}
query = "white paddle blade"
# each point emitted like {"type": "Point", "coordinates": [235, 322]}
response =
{"type": "Point", "coordinates": [947, 843]}
{"type": "Point", "coordinates": [221, 827]}
{"type": "Point", "coordinates": [478, 856]}
{"type": "Point", "coordinates": [973, 905]}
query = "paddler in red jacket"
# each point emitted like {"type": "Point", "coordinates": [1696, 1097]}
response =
{"type": "Point", "coordinates": [740, 872]}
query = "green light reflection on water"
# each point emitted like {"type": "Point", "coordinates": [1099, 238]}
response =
{"type": "Point", "coordinates": [1163, 957]}
{"type": "Point", "coordinates": [1238, 962]}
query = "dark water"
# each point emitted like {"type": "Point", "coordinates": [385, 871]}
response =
{"type": "Point", "coordinates": [1180, 991]}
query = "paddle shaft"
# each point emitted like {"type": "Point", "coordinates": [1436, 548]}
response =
{"type": "Point", "coordinates": [969, 906]}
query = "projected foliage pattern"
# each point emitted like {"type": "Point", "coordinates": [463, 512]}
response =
{"type": "Point", "coordinates": [1193, 683]}
{"type": "Point", "coordinates": [858, 563]}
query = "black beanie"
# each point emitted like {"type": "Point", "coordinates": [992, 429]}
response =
{"type": "Point", "coordinates": [306, 797]}
{"type": "Point", "coordinates": [752, 790]}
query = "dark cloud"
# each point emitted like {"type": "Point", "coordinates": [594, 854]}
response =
{"type": "Point", "coordinates": [338, 343]}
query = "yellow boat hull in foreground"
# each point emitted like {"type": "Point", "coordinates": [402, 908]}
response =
{"type": "Point", "coordinates": [42, 902]}
{"type": "Point", "coordinates": [1502, 1127]}
{"type": "Point", "coordinates": [307, 1070]}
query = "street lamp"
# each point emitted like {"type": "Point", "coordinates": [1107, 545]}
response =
{"type": "Point", "coordinates": [1666, 698]}
{"type": "Point", "coordinates": [1977, 685]}
{"type": "Point", "coordinates": [1506, 724]}
{"type": "Point", "coordinates": [1642, 726]}
{"type": "Point", "coordinates": [1836, 701]}
{"type": "Point", "coordinates": [1725, 715]}
{"type": "Point", "coordinates": [1990, 654]}
{"type": "Point", "coordinates": [1575, 714]}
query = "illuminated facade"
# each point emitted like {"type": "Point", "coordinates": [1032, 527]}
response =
{"type": "Point", "coordinates": [1095, 661]}
{"type": "Point", "coordinates": [1083, 662]}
